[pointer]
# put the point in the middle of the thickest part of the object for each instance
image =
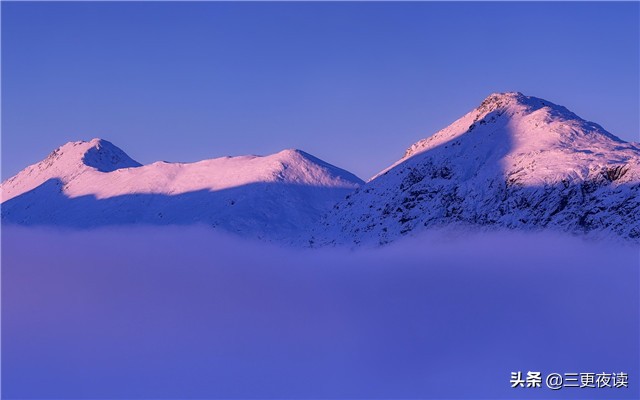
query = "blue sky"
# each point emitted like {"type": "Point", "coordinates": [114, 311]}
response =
{"type": "Point", "coordinates": [352, 83]}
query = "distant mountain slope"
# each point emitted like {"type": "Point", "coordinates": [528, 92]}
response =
{"type": "Point", "coordinates": [88, 184]}
{"type": "Point", "coordinates": [516, 162]}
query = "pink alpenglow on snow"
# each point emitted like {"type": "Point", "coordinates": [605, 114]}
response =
{"type": "Point", "coordinates": [515, 162]}
{"type": "Point", "coordinates": [90, 184]}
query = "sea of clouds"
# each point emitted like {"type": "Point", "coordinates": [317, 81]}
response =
{"type": "Point", "coordinates": [190, 313]}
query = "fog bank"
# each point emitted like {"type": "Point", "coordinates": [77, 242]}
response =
{"type": "Point", "coordinates": [186, 312]}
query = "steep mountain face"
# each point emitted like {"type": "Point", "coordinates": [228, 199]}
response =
{"type": "Point", "coordinates": [515, 162]}
{"type": "Point", "coordinates": [89, 184]}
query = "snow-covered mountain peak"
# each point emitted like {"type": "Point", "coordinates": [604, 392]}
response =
{"type": "Point", "coordinates": [513, 161]}
{"type": "Point", "coordinates": [516, 102]}
{"type": "Point", "coordinates": [297, 166]}
{"type": "Point", "coordinates": [67, 162]}
{"type": "Point", "coordinates": [92, 183]}
{"type": "Point", "coordinates": [291, 153]}
{"type": "Point", "coordinates": [517, 132]}
{"type": "Point", "coordinates": [105, 157]}
{"type": "Point", "coordinates": [97, 153]}
{"type": "Point", "coordinates": [497, 100]}
{"type": "Point", "coordinates": [99, 168]}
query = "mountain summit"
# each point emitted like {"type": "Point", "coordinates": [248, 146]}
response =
{"type": "Point", "coordinates": [66, 163]}
{"type": "Point", "coordinates": [514, 127]}
{"type": "Point", "coordinates": [88, 184]}
{"type": "Point", "coordinates": [514, 161]}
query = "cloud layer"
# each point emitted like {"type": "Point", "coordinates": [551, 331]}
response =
{"type": "Point", "coordinates": [185, 312]}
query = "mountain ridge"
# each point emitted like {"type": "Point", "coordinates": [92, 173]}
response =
{"type": "Point", "coordinates": [89, 184]}
{"type": "Point", "coordinates": [515, 161]}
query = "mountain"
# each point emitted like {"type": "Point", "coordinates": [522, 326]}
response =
{"type": "Point", "coordinates": [90, 184]}
{"type": "Point", "coordinates": [515, 161]}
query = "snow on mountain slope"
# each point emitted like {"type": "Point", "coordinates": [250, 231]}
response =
{"type": "Point", "coordinates": [515, 161]}
{"type": "Point", "coordinates": [66, 163]}
{"type": "Point", "coordinates": [85, 184]}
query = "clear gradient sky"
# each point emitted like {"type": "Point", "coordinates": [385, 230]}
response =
{"type": "Point", "coordinates": [352, 83]}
